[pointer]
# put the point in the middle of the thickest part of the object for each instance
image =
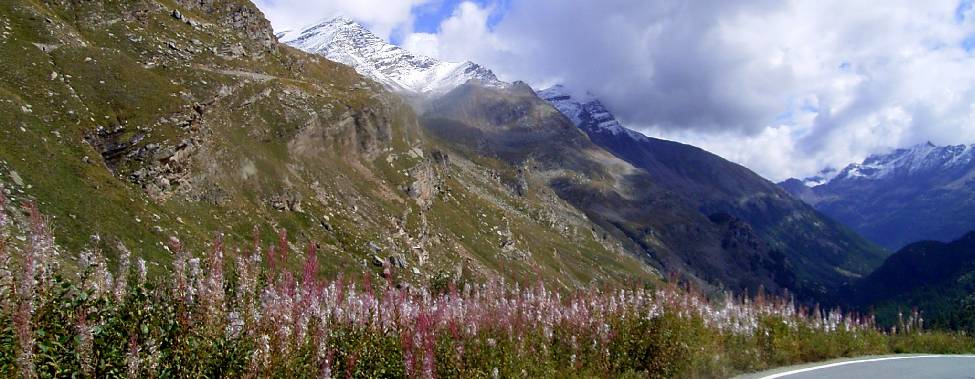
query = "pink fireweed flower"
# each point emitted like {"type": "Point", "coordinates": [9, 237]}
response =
{"type": "Point", "coordinates": [141, 273]}
{"type": "Point", "coordinates": [85, 342]}
{"type": "Point", "coordinates": [179, 268]}
{"type": "Point", "coordinates": [3, 212]}
{"type": "Point", "coordinates": [132, 360]}
{"type": "Point", "coordinates": [350, 363]}
{"type": "Point", "coordinates": [212, 287]}
{"type": "Point", "coordinates": [121, 283]}
{"type": "Point", "coordinates": [326, 371]}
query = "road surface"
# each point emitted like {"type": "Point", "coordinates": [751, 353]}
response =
{"type": "Point", "coordinates": [886, 367]}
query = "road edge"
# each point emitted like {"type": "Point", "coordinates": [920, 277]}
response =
{"type": "Point", "coordinates": [790, 370]}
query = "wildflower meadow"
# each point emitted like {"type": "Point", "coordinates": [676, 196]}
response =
{"type": "Point", "coordinates": [243, 312]}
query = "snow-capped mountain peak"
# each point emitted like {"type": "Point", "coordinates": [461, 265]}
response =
{"type": "Point", "coordinates": [922, 192]}
{"type": "Point", "coordinates": [343, 40]}
{"type": "Point", "coordinates": [585, 111]}
{"type": "Point", "coordinates": [915, 160]}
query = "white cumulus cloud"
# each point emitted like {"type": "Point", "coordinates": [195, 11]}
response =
{"type": "Point", "coordinates": [784, 87]}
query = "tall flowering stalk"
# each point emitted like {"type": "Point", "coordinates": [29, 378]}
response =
{"type": "Point", "coordinates": [39, 246]}
{"type": "Point", "coordinates": [212, 287]}
{"type": "Point", "coordinates": [7, 279]}
{"type": "Point", "coordinates": [3, 211]}
{"type": "Point", "coordinates": [132, 359]}
{"type": "Point", "coordinates": [85, 341]}
{"type": "Point", "coordinates": [122, 279]}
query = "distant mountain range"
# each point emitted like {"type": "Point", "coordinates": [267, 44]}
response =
{"type": "Point", "coordinates": [924, 192]}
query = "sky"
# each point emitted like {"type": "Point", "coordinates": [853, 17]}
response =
{"type": "Point", "coordinates": [784, 87]}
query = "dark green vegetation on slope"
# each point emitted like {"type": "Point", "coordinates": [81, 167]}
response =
{"type": "Point", "coordinates": [936, 278]}
{"type": "Point", "coordinates": [130, 121]}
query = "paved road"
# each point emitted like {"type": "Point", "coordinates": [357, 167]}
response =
{"type": "Point", "coordinates": [887, 367]}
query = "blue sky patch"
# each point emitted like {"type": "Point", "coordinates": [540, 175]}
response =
{"type": "Point", "coordinates": [963, 7]}
{"type": "Point", "coordinates": [969, 43]}
{"type": "Point", "coordinates": [429, 17]}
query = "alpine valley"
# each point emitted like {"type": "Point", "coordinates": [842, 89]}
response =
{"type": "Point", "coordinates": [430, 218]}
{"type": "Point", "coordinates": [138, 114]}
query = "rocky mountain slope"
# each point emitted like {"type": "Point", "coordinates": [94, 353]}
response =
{"type": "Point", "coordinates": [924, 192]}
{"type": "Point", "coordinates": [819, 249]}
{"type": "Point", "coordinates": [343, 40]}
{"type": "Point", "coordinates": [140, 121]}
{"type": "Point", "coordinates": [936, 277]}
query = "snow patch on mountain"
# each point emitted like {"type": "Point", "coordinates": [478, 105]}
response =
{"type": "Point", "coordinates": [343, 40]}
{"type": "Point", "coordinates": [586, 111]}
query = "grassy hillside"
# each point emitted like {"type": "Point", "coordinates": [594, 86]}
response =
{"type": "Point", "coordinates": [138, 121]}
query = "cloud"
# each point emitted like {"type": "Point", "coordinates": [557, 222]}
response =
{"type": "Point", "coordinates": [383, 17]}
{"type": "Point", "coordinates": [462, 35]}
{"type": "Point", "coordinates": [784, 87]}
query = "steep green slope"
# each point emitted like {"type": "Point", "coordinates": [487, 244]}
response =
{"type": "Point", "coordinates": [142, 120]}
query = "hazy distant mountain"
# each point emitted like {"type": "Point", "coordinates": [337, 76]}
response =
{"type": "Point", "coordinates": [924, 192]}
{"type": "Point", "coordinates": [345, 41]}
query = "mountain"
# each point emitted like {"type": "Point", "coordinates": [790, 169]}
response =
{"type": "Point", "coordinates": [924, 192]}
{"type": "Point", "coordinates": [935, 277]}
{"type": "Point", "coordinates": [344, 41]}
{"type": "Point", "coordinates": [140, 121]}
{"type": "Point", "coordinates": [676, 219]}
{"type": "Point", "coordinates": [536, 148]}
{"type": "Point", "coordinates": [821, 250]}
